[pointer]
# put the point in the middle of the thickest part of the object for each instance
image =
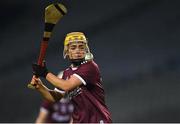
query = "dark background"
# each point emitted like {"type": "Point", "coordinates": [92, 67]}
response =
{"type": "Point", "coordinates": [135, 43]}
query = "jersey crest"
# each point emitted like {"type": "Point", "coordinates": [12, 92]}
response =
{"type": "Point", "coordinates": [74, 92]}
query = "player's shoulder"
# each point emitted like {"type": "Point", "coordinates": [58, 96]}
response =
{"type": "Point", "coordinates": [89, 64]}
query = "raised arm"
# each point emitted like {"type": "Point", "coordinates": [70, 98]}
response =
{"type": "Point", "coordinates": [66, 85]}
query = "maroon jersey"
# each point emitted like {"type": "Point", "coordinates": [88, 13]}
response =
{"type": "Point", "coordinates": [88, 99]}
{"type": "Point", "coordinates": [58, 112]}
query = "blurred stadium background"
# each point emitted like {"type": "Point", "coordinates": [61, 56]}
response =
{"type": "Point", "coordinates": [135, 42]}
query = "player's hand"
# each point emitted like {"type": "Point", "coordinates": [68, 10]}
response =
{"type": "Point", "coordinates": [40, 71]}
{"type": "Point", "coordinates": [37, 83]}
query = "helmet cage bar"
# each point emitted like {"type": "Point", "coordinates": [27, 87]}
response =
{"type": "Point", "coordinates": [65, 52]}
{"type": "Point", "coordinates": [74, 37]}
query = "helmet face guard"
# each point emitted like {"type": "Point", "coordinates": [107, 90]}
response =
{"type": "Point", "coordinates": [74, 37]}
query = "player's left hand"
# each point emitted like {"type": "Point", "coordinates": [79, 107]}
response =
{"type": "Point", "coordinates": [40, 71]}
{"type": "Point", "coordinates": [37, 84]}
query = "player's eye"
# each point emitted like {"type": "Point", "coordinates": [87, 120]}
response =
{"type": "Point", "coordinates": [82, 47]}
{"type": "Point", "coordinates": [73, 47]}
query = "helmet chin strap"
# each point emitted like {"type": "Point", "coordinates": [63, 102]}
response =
{"type": "Point", "coordinates": [76, 62]}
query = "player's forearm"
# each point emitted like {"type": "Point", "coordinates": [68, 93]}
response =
{"type": "Point", "coordinates": [46, 93]}
{"type": "Point", "coordinates": [57, 82]}
{"type": "Point", "coordinates": [41, 117]}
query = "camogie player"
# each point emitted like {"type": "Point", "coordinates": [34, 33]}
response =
{"type": "Point", "coordinates": [55, 112]}
{"type": "Point", "coordinates": [81, 82]}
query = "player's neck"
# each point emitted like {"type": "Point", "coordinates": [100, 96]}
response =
{"type": "Point", "coordinates": [76, 62]}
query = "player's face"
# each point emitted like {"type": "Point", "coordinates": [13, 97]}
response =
{"type": "Point", "coordinates": [76, 50]}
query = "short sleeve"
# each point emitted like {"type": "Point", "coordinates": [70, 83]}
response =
{"type": "Point", "coordinates": [87, 73]}
{"type": "Point", "coordinates": [46, 105]}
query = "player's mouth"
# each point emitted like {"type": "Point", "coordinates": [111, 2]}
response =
{"type": "Point", "coordinates": [78, 56]}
